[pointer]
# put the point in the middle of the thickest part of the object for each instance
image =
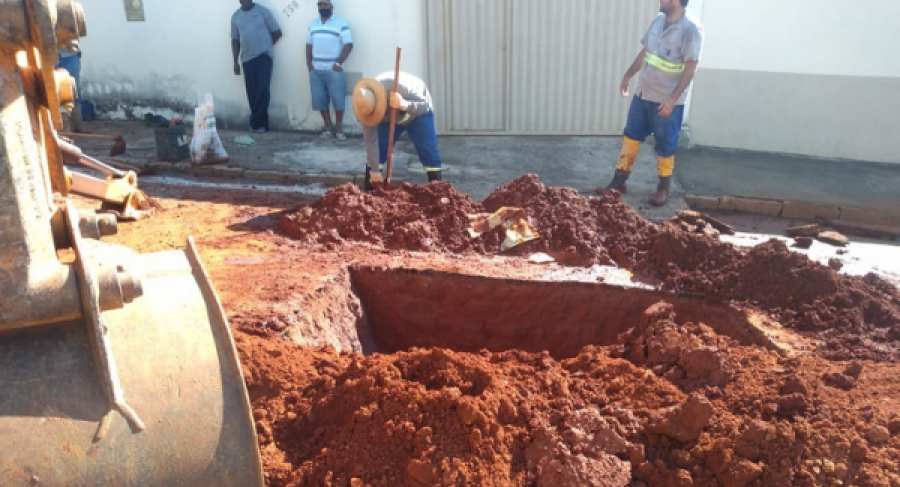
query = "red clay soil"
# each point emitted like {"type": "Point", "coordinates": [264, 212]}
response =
{"type": "Point", "coordinates": [853, 317]}
{"type": "Point", "coordinates": [433, 218]}
{"type": "Point", "coordinates": [670, 406]}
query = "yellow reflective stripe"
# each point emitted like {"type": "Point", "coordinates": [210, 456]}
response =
{"type": "Point", "coordinates": [432, 169]}
{"type": "Point", "coordinates": [662, 64]}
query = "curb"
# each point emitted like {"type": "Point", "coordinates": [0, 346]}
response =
{"type": "Point", "coordinates": [889, 222]}
{"type": "Point", "coordinates": [238, 172]}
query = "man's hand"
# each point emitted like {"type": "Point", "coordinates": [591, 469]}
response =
{"type": "Point", "coordinates": [665, 109]}
{"type": "Point", "coordinates": [398, 102]}
{"type": "Point", "coordinates": [337, 68]}
{"type": "Point", "coordinates": [237, 69]}
{"type": "Point", "coordinates": [309, 67]}
{"type": "Point", "coordinates": [623, 88]}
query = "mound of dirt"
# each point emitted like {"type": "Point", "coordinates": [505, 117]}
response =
{"type": "Point", "coordinates": [430, 217]}
{"type": "Point", "coordinates": [577, 229]}
{"type": "Point", "coordinates": [574, 229]}
{"type": "Point", "coordinates": [437, 417]}
{"type": "Point", "coordinates": [642, 405]}
{"type": "Point", "coordinates": [687, 354]}
{"type": "Point", "coordinates": [853, 317]}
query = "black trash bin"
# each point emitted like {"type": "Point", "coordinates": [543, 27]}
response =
{"type": "Point", "coordinates": [172, 143]}
{"type": "Point", "coordinates": [87, 111]}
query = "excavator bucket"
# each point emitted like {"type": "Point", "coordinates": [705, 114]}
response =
{"type": "Point", "coordinates": [184, 417]}
{"type": "Point", "coordinates": [116, 368]}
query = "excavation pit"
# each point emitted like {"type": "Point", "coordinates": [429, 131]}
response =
{"type": "Point", "coordinates": [407, 308]}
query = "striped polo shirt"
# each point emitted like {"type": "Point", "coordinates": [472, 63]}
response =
{"type": "Point", "coordinates": [327, 40]}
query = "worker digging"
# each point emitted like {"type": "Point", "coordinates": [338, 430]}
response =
{"type": "Point", "coordinates": [383, 333]}
{"type": "Point", "coordinates": [404, 94]}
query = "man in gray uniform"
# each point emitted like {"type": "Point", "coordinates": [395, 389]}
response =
{"type": "Point", "coordinates": [412, 98]}
{"type": "Point", "coordinates": [667, 64]}
{"type": "Point", "coordinates": [254, 33]}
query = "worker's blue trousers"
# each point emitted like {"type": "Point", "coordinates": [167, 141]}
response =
{"type": "Point", "coordinates": [644, 119]}
{"type": "Point", "coordinates": [423, 135]}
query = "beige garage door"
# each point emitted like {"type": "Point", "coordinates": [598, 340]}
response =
{"type": "Point", "coordinates": [521, 67]}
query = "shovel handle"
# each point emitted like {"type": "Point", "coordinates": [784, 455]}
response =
{"type": "Point", "coordinates": [71, 135]}
{"type": "Point", "coordinates": [101, 166]}
{"type": "Point", "coordinates": [390, 151]}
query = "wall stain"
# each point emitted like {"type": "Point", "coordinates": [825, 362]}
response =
{"type": "Point", "coordinates": [119, 96]}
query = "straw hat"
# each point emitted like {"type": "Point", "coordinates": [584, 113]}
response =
{"type": "Point", "coordinates": [370, 101]}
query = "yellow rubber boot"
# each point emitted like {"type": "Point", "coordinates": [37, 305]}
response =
{"type": "Point", "coordinates": [630, 148]}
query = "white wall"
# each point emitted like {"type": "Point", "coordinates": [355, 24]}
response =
{"type": "Point", "coordinates": [830, 37]}
{"type": "Point", "coordinates": [808, 77]}
{"type": "Point", "coordinates": [183, 49]}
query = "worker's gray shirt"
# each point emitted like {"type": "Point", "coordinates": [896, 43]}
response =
{"type": "Point", "coordinates": [413, 90]}
{"type": "Point", "coordinates": [254, 28]}
{"type": "Point", "coordinates": [675, 45]}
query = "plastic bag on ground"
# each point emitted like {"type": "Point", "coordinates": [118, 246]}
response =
{"type": "Point", "coordinates": [206, 147]}
{"type": "Point", "coordinates": [515, 223]}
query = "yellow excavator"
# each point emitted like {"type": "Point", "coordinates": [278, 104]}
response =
{"type": "Point", "coordinates": [116, 368]}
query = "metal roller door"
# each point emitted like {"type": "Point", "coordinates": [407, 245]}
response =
{"type": "Point", "coordinates": [532, 67]}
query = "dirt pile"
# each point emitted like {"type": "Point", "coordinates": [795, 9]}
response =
{"type": "Point", "coordinates": [574, 229]}
{"type": "Point", "coordinates": [852, 317]}
{"type": "Point", "coordinates": [800, 421]}
{"type": "Point", "coordinates": [688, 355]}
{"type": "Point", "coordinates": [422, 218]}
{"type": "Point", "coordinates": [437, 417]}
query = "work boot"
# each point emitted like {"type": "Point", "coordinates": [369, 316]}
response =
{"type": "Point", "coordinates": [434, 176]}
{"type": "Point", "coordinates": [367, 182]}
{"type": "Point", "coordinates": [617, 183]}
{"type": "Point", "coordinates": [662, 192]}
{"type": "Point", "coordinates": [627, 155]}
{"type": "Point", "coordinates": [371, 178]}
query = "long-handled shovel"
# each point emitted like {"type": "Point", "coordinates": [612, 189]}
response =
{"type": "Point", "coordinates": [390, 151]}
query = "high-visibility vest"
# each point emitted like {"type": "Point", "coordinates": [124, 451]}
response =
{"type": "Point", "coordinates": [662, 64]}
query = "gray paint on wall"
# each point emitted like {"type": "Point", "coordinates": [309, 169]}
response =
{"type": "Point", "coordinates": [845, 117]}
{"type": "Point", "coordinates": [111, 89]}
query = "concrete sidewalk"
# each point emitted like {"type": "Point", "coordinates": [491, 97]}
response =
{"type": "Point", "coordinates": [791, 186]}
{"type": "Point", "coordinates": [706, 179]}
{"type": "Point", "coordinates": [474, 165]}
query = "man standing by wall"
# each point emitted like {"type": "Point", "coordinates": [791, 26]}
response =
{"type": "Point", "coordinates": [328, 43]}
{"type": "Point", "coordinates": [371, 99]}
{"type": "Point", "coordinates": [667, 64]}
{"type": "Point", "coordinates": [254, 33]}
